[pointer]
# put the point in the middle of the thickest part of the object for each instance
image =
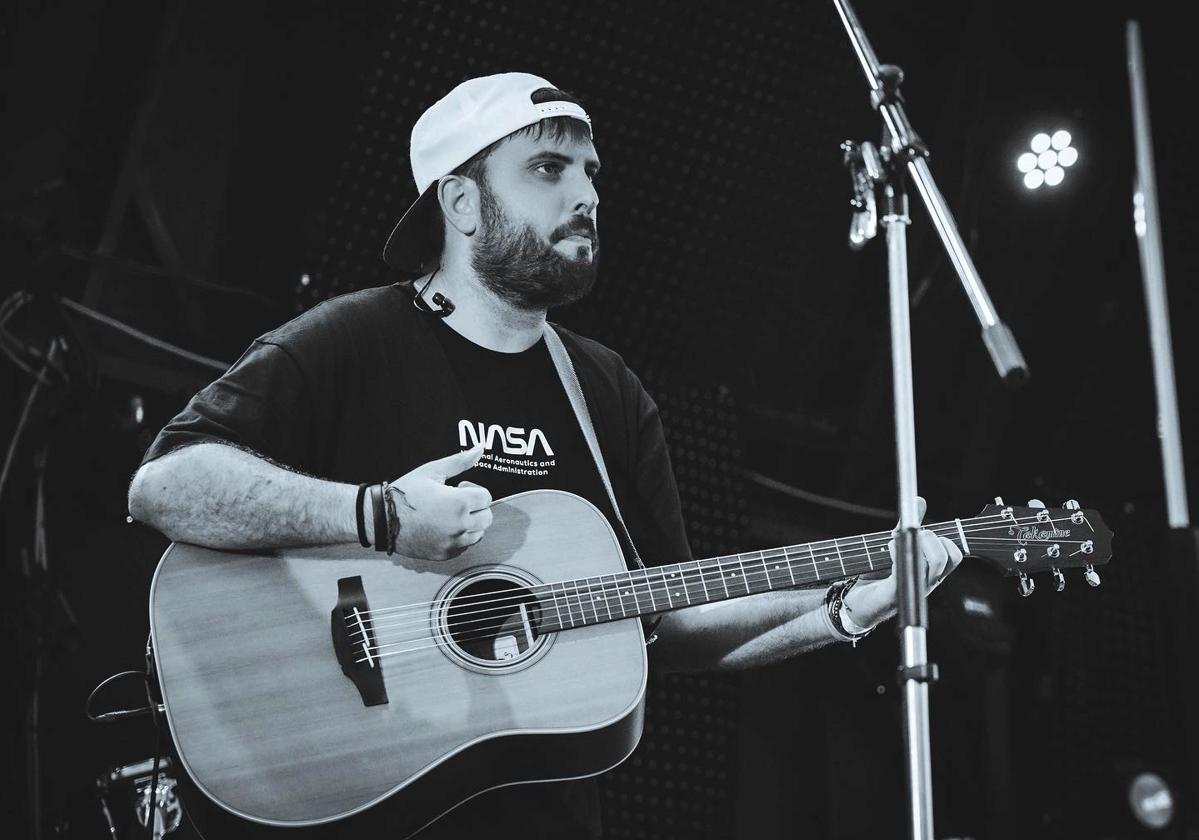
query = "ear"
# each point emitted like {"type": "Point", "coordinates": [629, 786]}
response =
{"type": "Point", "coordinates": [459, 200]}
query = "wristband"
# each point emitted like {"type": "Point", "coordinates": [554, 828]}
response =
{"type": "Point", "coordinates": [376, 491]}
{"type": "Point", "coordinates": [360, 515]}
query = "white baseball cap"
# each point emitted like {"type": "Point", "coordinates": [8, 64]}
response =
{"type": "Point", "coordinates": [454, 129]}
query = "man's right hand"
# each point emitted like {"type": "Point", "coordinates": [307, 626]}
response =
{"type": "Point", "coordinates": [437, 521]}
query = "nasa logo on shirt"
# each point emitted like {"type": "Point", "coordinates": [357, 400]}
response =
{"type": "Point", "coordinates": [513, 440]}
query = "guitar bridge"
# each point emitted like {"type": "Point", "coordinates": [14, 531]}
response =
{"type": "Point", "coordinates": [354, 642]}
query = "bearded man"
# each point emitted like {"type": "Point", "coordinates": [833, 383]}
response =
{"type": "Point", "coordinates": [449, 383]}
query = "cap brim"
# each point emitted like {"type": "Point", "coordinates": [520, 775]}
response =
{"type": "Point", "coordinates": [408, 247]}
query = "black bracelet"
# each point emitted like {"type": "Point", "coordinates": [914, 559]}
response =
{"type": "Point", "coordinates": [380, 517]}
{"type": "Point", "coordinates": [360, 514]}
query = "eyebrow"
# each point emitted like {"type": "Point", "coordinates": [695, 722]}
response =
{"type": "Point", "coordinates": [592, 165]}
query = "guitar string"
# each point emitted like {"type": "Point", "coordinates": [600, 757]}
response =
{"type": "Point", "coordinates": [492, 618]}
{"type": "Point", "coordinates": [880, 539]}
{"type": "Point", "coordinates": [439, 638]}
{"type": "Point", "coordinates": [653, 577]}
{"type": "Point", "coordinates": [886, 535]}
{"type": "Point", "coordinates": [601, 592]}
{"type": "Point", "coordinates": [496, 616]}
{"type": "Point", "coordinates": [597, 588]}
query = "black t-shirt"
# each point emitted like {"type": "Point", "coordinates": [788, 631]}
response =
{"type": "Point", "coordinates": [364, 388]}
{"type": "Point", "coordinates": [516, 406]}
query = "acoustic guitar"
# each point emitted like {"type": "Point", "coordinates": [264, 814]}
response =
{"type": "Point", "coordinates": [304, 686]}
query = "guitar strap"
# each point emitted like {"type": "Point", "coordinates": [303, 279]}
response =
{"type": "Point", "coordinates": [574, 391]}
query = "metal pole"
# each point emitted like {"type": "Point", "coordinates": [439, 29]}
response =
{"type": "Point", "coordinates": [1147, 222]}
{"type": "Point", "coordinates": [913, 613]}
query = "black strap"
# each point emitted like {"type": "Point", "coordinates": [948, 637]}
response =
{"type": "Point", "coordinates": [360, 515]}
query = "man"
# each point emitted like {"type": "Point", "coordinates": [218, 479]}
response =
{"type": "Point", "coordinates": [448, 384]}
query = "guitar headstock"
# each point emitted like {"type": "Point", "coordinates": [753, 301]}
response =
{"type": "Point", "coordinates": [1023, 541]}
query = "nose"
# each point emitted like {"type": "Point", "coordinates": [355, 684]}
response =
{"type": "Point", "coordinates": [586, 199]}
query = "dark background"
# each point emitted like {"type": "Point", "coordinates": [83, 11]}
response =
{"type": "Point", "coordinates": [239, 148]}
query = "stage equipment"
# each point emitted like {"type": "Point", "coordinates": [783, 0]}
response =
{"type": "Point", "coordinates": [884, 174]}
{"type": "Point", "coordinates": [1183, 553]}
{"type": "Point", "coordinates": [147, 792]}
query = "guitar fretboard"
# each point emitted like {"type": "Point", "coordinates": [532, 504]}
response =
{"type": "Point", "coordinates": [639, 592]}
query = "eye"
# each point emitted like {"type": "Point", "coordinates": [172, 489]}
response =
{"type": "Point", "coordinates": [549, 168]}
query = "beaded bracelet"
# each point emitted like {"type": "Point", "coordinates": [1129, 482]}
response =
{"type": "Point", "coordinates": [393, 518]}
{"type": "Point", "coordinates": [834, 603]}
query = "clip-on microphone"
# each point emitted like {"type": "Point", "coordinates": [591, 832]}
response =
{"type": "Point", "coordinates": [444, 305]}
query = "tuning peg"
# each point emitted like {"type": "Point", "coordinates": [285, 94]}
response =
{"type": "Point", "coordinates": [1059, 579]}
{"type": "Point", "coordinates": [1027, 585]}
{"type": "Point", "coordinates": [1071, 504]}
{"type": "Point", "coordinates": [1091, 575]}
{"type": "Point", "coordinates": [1036, 503]}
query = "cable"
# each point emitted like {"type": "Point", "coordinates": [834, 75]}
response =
{"type": "Point", "coordinates": [817, 498]}
{"type": "Point", "coordinates": [120, 714]}
{"type": "Point", "coordinates": [214, 364]}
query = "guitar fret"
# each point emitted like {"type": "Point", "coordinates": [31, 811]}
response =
{"type": "Point", "coordinates": [774, 558]}
{"type": "Point", "coordinates": [569, 613]}
{"type": "Point", "coordinates": [604, 598]}
{"type": "Point", "coordinates": [840, 560]}
{"type": "Point", "coordinates": [765, 571]}
{"type": "Point", "coordinates": [866, 546]}
{"type": "Point", "coordinates": [815, 568]}
{"type": "Point", "coordinates": [650, 588]}
{"type": "Point", "coordinates": [557, 612]}
{"type": "Point", "coordinates": [702, 582]}
{"type": "Point", "coordinates": [616, 589]}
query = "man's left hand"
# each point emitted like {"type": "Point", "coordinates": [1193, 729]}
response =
{"type": "Point", "coordinates": [872, 602]}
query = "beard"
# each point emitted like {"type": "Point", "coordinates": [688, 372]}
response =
{"type": "Point", "coordinates": [523, 269]}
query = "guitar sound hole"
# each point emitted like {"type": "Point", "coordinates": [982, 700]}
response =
{"type": "Point", "coordinates": [493, 620]}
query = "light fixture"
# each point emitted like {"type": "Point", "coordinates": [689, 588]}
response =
{"type": "Point", "coordinates": [1049, 159]}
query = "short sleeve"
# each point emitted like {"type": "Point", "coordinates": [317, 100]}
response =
{"type": "Point", "coordinates": [260, 404]}
{"type": "Point", "coordinates": [660, 524]}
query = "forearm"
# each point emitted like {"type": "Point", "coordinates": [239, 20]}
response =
{"type": "Point", "coordinates": [222, 497]}
{"type": "Point", "coordinates": [743, 633]}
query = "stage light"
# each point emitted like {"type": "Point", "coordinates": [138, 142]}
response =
{"type": "Point", "coordinates": [1048, 160]}
{"type": "Point", "coordinates": [1152, 800]}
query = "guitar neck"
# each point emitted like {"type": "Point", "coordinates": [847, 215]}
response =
{"type": "Point", "coordinates": [640, 592]}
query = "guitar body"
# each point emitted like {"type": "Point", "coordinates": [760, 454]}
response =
{"type": "Point", "coordinates": [279, 727]}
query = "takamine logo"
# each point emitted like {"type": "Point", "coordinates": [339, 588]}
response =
{"type": "Point", "coordinates": [514, 440]}
{"type": "Point", "coordinates": [1025, 534]}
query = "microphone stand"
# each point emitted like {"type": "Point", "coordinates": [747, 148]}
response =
{"type": "Point", "coordinates": [1182, 554]}
{"type": "Point", "coordinates": [883, 172]}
